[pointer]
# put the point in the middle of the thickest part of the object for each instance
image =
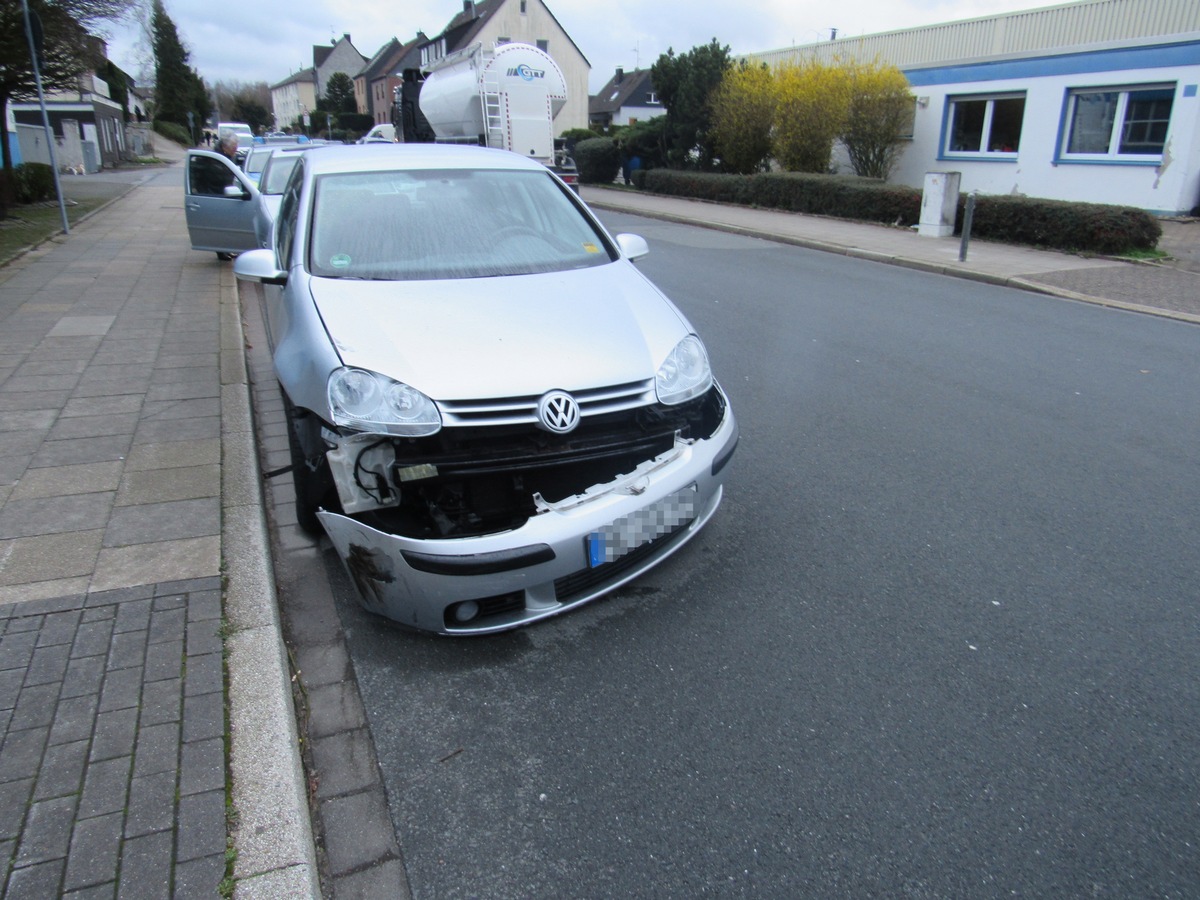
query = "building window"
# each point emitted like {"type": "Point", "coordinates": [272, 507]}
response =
{"type": "Point", "coordinates": [652, 98]}
{"type": "Point", "coordinates": [503, 40]}
{"type": "Point", "coordinates": [433, 52]}
{"type": "Point", "coordinates": [522, 7]}
{"type": "Point", "coordinates": [543, 45]}
{"type": "Point", "coordinates": [1118, 123]}
{"type": "Point", "coordinates": [987, 126]}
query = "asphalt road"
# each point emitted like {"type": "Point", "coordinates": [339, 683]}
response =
{"type": "Point", "coordinates": [941, 640]}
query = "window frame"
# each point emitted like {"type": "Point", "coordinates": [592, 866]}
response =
{"type": "Point", "coordinates": [1120, 122]}
{"type": "Point", "coordinates": [985, 134]}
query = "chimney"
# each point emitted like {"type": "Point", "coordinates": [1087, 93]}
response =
{"type": "Point", "coordinates": [620, 76]}
{"type": "Point", "coordinates": [469, 7]}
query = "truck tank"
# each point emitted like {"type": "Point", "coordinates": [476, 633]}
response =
{"type": "Point", "coordinates": [504, 98]}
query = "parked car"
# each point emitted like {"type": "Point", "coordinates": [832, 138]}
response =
{"type": "Point", "coordinates": [253, 164]}
{"type": "Point", "coordinates": [493, 414]}
{"type": "Point", "coordinates": [271, 183]}
{"type": "Point", "coordinates": [229, 210]}
{"type": "Point", "coordinates": [220, 203]}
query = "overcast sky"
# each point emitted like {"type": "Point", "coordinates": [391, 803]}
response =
{"type": "Point", "coordinates": [267, 40]}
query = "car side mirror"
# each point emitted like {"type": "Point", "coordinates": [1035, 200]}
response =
{"type": "Point", "coordinates": [258, 265]}
{"type": "Point", "coordinates": [632, 246]}
{"type": "Point", "coordinates": [236, 191]}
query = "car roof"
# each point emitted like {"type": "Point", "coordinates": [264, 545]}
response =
{"type": "Point", "coordinates": [384, 157]}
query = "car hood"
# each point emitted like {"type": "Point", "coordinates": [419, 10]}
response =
{"type": "Point", "coordinates": [501, 337]}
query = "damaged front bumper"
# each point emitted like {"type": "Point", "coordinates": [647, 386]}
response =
{"type": "Point", "coordinates": [570, 552]}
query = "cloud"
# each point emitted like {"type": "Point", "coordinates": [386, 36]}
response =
{"type": "Point", "coordinates": [231, 40]}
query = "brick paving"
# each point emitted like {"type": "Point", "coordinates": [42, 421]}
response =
{"type": "Point", "coordinates": [112, 773]}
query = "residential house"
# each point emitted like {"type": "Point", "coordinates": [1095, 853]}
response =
{"type": "Point", "coordinates": [627, 98]}
{"type": "Point", "coordinates": [363, 98]}
{"type": "Point", "coordinates": [88, 125]}
{"type": "Point", "coordinates": [294, 97]}
{"type": "Point", "coordinates": [1095, 100]}
{"type": "Point", "coordinates": [340, 56]}
{"type": "Point", "coordinates": [492, 22]}
{"type": "Point", "coordinates": [380, 78]}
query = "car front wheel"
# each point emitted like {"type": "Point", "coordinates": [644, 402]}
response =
{"type": "Point", "coordinates": [311, 478]}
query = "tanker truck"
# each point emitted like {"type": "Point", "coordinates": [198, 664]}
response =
{"type": "Point", "coordinates": [505, 98]}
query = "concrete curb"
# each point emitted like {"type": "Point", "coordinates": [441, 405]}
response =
{"type": "Point", "coordinates": [272, 831]}
{"type": "Point", "coordinates": [1063, 293]}
{"type": "Point", "coordinates": [921, 265]}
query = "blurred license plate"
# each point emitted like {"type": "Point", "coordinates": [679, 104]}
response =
{"type": "Point", "coordinates": [629, 532]}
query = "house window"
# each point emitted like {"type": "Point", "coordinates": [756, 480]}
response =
{"type": "Point", "coordinates": [432, 52]}
{"type": "Point", "coordinates": [1118, 123]}
{"type": "Point", "coordinates": [652, 98]}
{"type": "Point", "coordinates": [988, 125]}
{"type": "Point", "coordinates": [522, 7]}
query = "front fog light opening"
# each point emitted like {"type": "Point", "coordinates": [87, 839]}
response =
{"type": "Point", "coordinates": [465, 612]}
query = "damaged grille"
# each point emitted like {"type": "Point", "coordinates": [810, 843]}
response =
{"type": "Point", "coordinates": [476, 479]}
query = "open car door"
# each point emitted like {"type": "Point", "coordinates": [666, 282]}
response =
{"type": "Point", "coordinates": [219, 202]}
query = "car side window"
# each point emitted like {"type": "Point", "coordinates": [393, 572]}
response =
{"type": "Point", "coordinates": [208, 176]}
{"type": "Point", "coordinates": [285, 225]}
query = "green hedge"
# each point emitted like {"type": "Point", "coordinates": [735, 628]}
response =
{"type": "Point", "coordinates": [1051, 224]}
{"type": "Point", "coordinates": [33, 182]}
{"type": "Point", "coordinates": [598, 160]}
{"type": "Point", "coordinates": [825, 195]}
{"type": "Point", "coordinates": [1059, 225]}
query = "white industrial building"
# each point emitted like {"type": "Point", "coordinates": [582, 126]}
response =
{"type": "Point", "coordinates": [1089, 101]}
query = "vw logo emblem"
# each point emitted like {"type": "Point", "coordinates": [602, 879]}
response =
{"type": "Point", "coordinates": [558, 412]}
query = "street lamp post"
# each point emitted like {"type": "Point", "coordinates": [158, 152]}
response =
{"type": "Point", "coordinates": [33, 31]}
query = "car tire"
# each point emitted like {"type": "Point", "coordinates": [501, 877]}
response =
{"type": "Point", "coordinates": [312, 481]}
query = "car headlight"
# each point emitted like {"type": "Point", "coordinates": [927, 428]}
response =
{"type": "Point", "coordinates": [367, 401]}
{"type": "Point", "coordinates": [685, 374]}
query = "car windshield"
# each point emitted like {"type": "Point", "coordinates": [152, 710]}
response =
{"type": "Point", "coordinates": [421, 225]}
{"type": "Point", "coordinates": [256, 160]}
{"type": "Point", "coordinates": [275, 174]}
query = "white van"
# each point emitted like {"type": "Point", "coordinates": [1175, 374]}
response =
{"type": "Point", "coordinates": [379, 134]}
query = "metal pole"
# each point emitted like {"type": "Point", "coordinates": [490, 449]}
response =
{"type": "Point", "coordinates": [968, 215]}
{"type": "Point", "coordinates": [37, 77]}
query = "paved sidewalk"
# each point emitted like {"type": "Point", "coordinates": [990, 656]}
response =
{"type": "Point", "coordinates": [134, 577]}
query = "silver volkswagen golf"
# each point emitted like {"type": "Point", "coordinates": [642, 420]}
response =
{"type": "Point", "coordinates": [494, 415]}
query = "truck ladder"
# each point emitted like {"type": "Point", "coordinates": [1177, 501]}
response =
{"type": "Point", "coordinates": [493, 118]}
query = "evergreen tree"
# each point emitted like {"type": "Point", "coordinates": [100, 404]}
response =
{"type": "Point", "coordinates": [685, 84]}
{"type": "Point", "coordinates": [339, 95]}
{"type": "Point", "coordinates": [174, 80]}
